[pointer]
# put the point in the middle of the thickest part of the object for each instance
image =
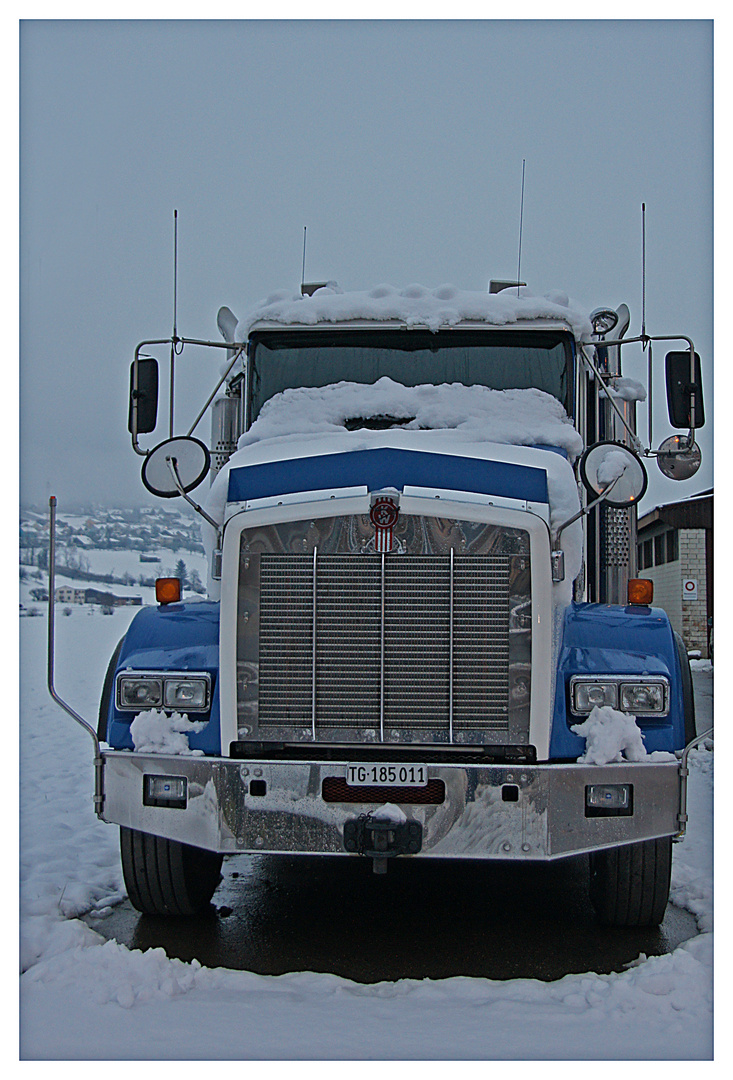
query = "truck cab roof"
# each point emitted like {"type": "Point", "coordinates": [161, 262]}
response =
{"type": "Point", "coordinates": [386, 307]}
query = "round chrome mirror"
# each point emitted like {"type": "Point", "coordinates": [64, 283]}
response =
{"type": "Point", "coordinates": [609, 466]}
{"type": "Point", "coordinates": [677, 461]}
{"type": "Point", "coordinates": [184, 457]}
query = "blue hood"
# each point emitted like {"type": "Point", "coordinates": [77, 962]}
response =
{"type": "Point", "coordinates": [383, 467]}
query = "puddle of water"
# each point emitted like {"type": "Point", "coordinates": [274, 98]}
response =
{"type": "Point", "coordinates": [423, 919]}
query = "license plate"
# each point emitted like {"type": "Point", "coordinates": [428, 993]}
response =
{"type": "Point", "coordinates": [375, 774]}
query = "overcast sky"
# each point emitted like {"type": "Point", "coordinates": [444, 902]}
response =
{"type": "Point", "coordinates": [398, 144]}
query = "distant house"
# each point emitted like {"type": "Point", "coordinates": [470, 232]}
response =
{"type": "Point", "coordinates": [108, 599]}
{"type": "Point", "coordinates": [675, 551]}
{"type": "Point", "coordinates": [65, 594]}
{"type": "Point", "coordinates": [96, 596]}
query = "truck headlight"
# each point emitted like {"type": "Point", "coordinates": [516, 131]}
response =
{"type": "Point", "coordinates": [134, 692]}
{"type": "Point", "coordinates": [186, 693]}
{"type": "Point", "coordinates": [632, 694]}
{"type": "Point", "coordinates": [181, 691]}
{"type": "Point", "coordinates": [587, 694]}
{"type": "Point", "coordinates": [642, 698]}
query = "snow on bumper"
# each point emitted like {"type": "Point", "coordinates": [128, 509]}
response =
{"type": "Point", "coordinates": [489, 811]}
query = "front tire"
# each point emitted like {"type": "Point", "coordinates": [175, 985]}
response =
{"type": "Point", "coordinates": [165, 877]}
{"type": "Point", "coordinates": [629, 885]}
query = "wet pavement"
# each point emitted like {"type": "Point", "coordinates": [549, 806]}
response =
{"type": "Point", "coordinates": [423, 919]}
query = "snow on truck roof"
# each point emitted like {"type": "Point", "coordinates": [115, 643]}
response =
{"type": "Point", "coordinates": [417, 305]}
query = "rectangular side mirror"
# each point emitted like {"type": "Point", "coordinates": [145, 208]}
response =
{"type": "Point", "coordinates": [143, 413]}
{"type": "Point", "coordinates": [681, 391]}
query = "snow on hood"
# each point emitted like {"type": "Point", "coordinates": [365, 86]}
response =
{"type": "Point", "coordinates": [467, 421]}
{"type": "Point", "coordinates": [459, 419]}
{"type": "Point", "coordinates": [517, 417]}
{"type": "Point", "coordinates": [417, 305]}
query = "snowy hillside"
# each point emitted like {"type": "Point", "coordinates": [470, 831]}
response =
{"type": "Point", "coordinates": [113, 551]}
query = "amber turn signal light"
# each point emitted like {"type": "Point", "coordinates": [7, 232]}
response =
{"type": "Point", "coordinates": [641, 591]}
{"type": "Point", "coordinates": [168, 590]}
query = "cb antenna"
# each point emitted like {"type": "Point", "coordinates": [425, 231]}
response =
{"type": "Point", "coordinates": [521, 217]}
{"type": "Point", "coordinates": [645, 343]}
{"type": "Point", "coordinates": [643, 270]}
{"type": "Point", "coordinates": [175, 271]}
{"type": "Point", "coordinates": [174, 338]}
{"type": "Point", "coordinates": [302, 275]}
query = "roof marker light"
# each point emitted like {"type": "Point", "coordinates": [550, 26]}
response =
{"type": "Point", "coordinates": [641, 591]}
{"type": "Point", "coordinates": [168, 590]}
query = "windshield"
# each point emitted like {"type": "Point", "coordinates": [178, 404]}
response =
{"type": "Point", "coordinates": [501, 360]}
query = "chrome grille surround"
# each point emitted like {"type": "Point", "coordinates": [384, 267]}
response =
{"type": "Point", "coordinates": [430, 643]}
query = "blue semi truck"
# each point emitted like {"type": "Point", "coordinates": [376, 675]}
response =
{"type": "Point", "coordinates": [424, 635]}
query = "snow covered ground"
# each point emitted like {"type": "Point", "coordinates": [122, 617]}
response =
{"type": "Point", "coordinates": [117, 563]}
{"type": "Point", "coordinates": [86, 998]}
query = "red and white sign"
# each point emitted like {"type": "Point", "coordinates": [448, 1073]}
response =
{"type": "Point", "coordinates": [689, 588]}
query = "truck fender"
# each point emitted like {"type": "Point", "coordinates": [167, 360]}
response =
{"type": "Point", "coordinates": [688, 696]}
{"type": "Point", "coordinates": [107, 693]}
{"type": "Point", "coordinates": [175, 638]}
{"type": "Point", "coordinates": [615, 640]}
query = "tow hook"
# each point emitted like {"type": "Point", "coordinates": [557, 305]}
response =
{"type": "Point", "coordinates": [381, 839]}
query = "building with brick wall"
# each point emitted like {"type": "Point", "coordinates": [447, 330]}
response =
{"type": "Point", "coordinates": [675, 551]}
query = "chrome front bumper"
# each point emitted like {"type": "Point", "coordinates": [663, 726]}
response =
{"type": "Point", "coordinates": [546, 818]}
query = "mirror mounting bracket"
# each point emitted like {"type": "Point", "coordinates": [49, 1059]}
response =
{"type": "Point", "coordinates": [235, 351]}
{"type": "Point", "coordinates": [173, 467]}
{"type": "Point", "coordinates": [583, 511]}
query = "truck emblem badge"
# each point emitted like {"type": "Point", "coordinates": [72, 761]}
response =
{"type": "Point", "coordinates": [383, 516]}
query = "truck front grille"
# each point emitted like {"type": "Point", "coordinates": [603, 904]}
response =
{"type": "Point", "coordinates": [383, 647]}
{"type": "Point", "coordinates": [383, 640]}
